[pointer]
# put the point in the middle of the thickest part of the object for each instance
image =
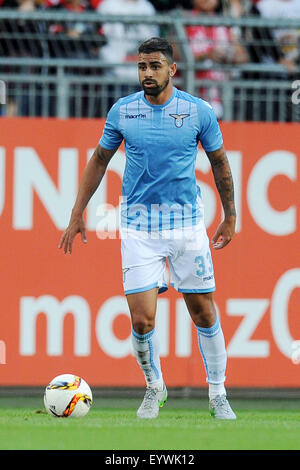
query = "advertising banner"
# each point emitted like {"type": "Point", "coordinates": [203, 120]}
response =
{"type": "Point", "coordinates": [68, 313]}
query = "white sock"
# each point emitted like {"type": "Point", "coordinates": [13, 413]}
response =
{"type": "Point", "coordinates": [216, 389]}
{"type": "Point", "coordinates": [212, 347]}
{"type": "Point", "coordinates": [146, 351]}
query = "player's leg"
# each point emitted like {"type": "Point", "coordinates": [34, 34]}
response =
{"type": "Point", "coordinates": [143, 263]}
{"type": "Point", "coordinates": [142, 306]}
{"type": "Point", "coordinates": [192, 274]}
{"type": "Point", "coordinates": [212, 348]}
{"type": "Point", "coordinates": [145, 340]}
{"type": "Point", "coordinates": [211, 342]}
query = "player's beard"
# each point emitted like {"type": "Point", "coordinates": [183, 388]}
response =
{"type": "Point", "coordinates": [156, 90]}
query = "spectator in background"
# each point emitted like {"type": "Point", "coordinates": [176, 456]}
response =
{"type": "Point", "coordinates": [261, 46]}
{"type": "Point", "coordinates": [23, 5]}
{"type": "Point", "coordinates": [21, 38]}
{"type": "Point", "coordinates": [123, 39]}
{"type": "Point", "coordinates": [232, 7]}
{"type": "Point", "coordinates": [213, 45]}
{"type": "Point", "coordinates": [162, 6]}
{"type": "Point", "coordinates": [285, 48]}
{"type": "Point", "coordinates": [268, 46]}
{"type": "Point", "coordinates": [287, 39]}
{"type": "Point", "coordinates": [77, 39]}
{"type": "Point", "coordinates": [69, 37]}
{"type": "Point", "coordinates": [94, 4]}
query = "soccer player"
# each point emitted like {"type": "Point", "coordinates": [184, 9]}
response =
{"type": "Point", "coordinates": [162, 215]}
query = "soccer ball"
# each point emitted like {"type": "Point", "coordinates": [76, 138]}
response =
{"type": "Point", "coordinates": [68, 395]}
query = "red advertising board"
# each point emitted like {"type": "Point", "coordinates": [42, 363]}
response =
{"type": "Point", "coordinates": [68, 313]}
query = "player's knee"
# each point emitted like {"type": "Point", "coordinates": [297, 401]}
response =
{"type": "Point", "coordinates": [142, 324]}
{"type": "Point", "coordinates": [203, 311]}
{"type": "Point", "coordinates": [204, 318]}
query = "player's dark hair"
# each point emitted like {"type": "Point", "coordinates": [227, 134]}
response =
{"type": "Point", "coordinates": [158, 45]}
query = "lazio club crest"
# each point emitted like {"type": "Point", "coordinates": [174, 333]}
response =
{"type": "Point", "coordinates": [179, 119]}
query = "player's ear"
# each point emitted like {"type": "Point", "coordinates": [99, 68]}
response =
{"type": "Point", "coordinates": [172, 70]}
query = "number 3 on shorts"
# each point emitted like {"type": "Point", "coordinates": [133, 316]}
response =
{"type": "Point", "coordinates": [204, 265]}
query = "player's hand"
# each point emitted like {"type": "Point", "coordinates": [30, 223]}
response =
{"type": "Point", "coordinates": [224, 233]}
{"type": "Point", "coordinates": [76, 225]}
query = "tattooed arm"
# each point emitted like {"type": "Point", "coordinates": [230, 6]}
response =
{"type": "Point", "coordinates": [91, 178]}
{"type": "Point", "coordinates": [224, 183]}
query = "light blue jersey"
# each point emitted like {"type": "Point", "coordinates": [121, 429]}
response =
{"type": "Point", "coordinates": [161, 143]}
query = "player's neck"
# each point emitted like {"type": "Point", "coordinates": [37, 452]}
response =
{"type": "Point", "coordinates": [162, 98]}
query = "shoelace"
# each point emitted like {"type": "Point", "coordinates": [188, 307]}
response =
{"type": "Point", "coordinates": [222, 402]}
{"type": "Point", "coordinates": [149, 397]}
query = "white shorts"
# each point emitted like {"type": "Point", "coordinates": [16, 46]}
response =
{"type": "Point", "coordinates": [144, 257]}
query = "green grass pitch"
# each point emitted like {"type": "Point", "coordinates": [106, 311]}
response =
{"type": "Point", "coordinates": [182, 424]}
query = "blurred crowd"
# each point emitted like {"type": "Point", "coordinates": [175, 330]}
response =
{"type": "Point", "coordinates": [117, 42]}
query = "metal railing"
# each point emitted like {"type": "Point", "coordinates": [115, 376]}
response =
{"type": "Point", "coordinates": [51, 64]}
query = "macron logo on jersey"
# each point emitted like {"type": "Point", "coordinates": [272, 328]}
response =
{"type": "Point", "coordinates": [179, 119]}
{"type": "Point", "coordinates": [135, 116]}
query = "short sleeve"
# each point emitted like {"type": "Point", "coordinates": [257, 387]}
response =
{"type": "Point", "coordinates": [111, 137]}
{"type": "Point", "coordinates": [210, 134]}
